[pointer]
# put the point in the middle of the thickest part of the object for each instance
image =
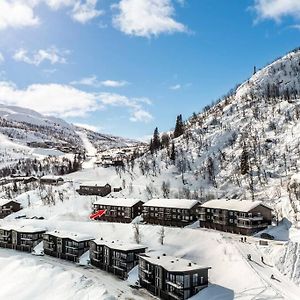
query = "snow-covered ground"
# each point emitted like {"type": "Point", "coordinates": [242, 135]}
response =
{"type": "Point", "coordinates": [232, 276]}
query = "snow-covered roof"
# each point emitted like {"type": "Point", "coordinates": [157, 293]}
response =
{"type": "Point", "coordinates": [234, 205]}
{"type": "Point", "coordinates": [171, 263]}
{"type": "Point", "coordinates": [117, 202]}
{"type": "Point", "coordinates": [172, 203]}
{"type": "Point", "coordinates": [23, 229]}
{"type": "Point", "coordinates": [118, 245]}
{"type": "Point", "coordinates": [51, 177]}
{"type": "Point", "coordinates": [94, 183]}
{"type": "Point", "coordinates": [70, 235]}
{"type": "Point", "coordinates": [5, 201]}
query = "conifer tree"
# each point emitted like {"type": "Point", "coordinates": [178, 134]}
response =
{"type": "Point", "coordinates": [173, 153]}
{"type": "Point", "coordinates": [179, 127]}
{"type": "Point", "coordinates": [156, 140]}
{"type": "Point", "coordinates": [244, 161]}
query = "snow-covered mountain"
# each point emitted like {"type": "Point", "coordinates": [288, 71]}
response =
{"type": "Point", "coordinates": [257, 125]}
{"type": "Point", "coordinates": [26, 134]}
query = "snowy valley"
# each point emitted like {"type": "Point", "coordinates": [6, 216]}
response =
{"type": "Point", "coordinates": [246, 146]}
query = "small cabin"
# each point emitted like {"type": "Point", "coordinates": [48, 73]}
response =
{"type": "Point", "coordinates": [52, 180]}
{"type": "Point", "coordinates": [8, 207]}
{"type": "Point", "coordinates": [94, 188]}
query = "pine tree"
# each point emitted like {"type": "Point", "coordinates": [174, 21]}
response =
{"type": "Point", "coordinates": [244, 161]}
{"type": "Point", "coordinates": [156, 140]}
{"type": "Point", "coordinates": [179, 127]}
{"type": "Point", "coordinates": [173, 153]}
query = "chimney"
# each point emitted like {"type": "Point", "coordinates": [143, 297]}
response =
{"type": "Point", "coordinates": [164, 254]}
{"type": "Point", "coordinates": [190, 264]}
{"type": "Point", "coordinates": [158, 257]}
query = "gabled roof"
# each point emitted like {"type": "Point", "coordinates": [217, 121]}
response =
{"type": "Point", "coordinates": [77, 237]}
{"type": "Point", "coordinates": [118, 245]}
{"type": "Point", "coordinates": [234, 205]}
{"type": "Point", "coordinates": [117, 202]}
{"type": "Point", "coordinates": [172, 203]}
{"type": "Point", "coordinates": [171, 263]}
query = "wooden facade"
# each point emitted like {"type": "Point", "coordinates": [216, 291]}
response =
{"type": "Point", "coordinates": [65, 245]}
{"type": "Point", "coordinates": [115, 257]}
{"type": "Point", "coordinates": [23, 238]}
{"type": "Point", "coordinates": [241, 217]}
{"type": "Point", "coordinates": [171, 278]}
{"type": "Point", "coordinates": [170, 212]}
{"type": "Point", "coordinates": [51, 180]}
{"type": "Point", "coordinates": [8, 207]}
{"type": "Point", "coordinates": [118, 209]}
{"type": "Point", "coordinates": [94, 190]}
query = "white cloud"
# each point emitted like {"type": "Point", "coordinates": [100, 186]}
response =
{"type": "Point", "coordinates": [146, 18]}
{"type": "Point", "coordinates": [67, 101]}
{"type": "Point", "coordinates": [277, 9]}
{"type": "Point", "coordinates": [1, 58]}
{"type": "Point", "coordinates": [52, 55]}
{"type": "Point", "coordinates": [114, 83]}
{"type": "Point", "coordinates": [22, 13]}
{"type": "Point", "coordinates": [16, 14]}
{"type": "Point", "coordinates": [53, 99]}
{"type": "Point", "coordinates": [138, 113]}
{"type": "Point", "coordinates": [93, 81]}
{"type": "Point", "coordinates": [141, 116]}
{"type": "Point", "coordinates": [85, 12]}
{"type": "Point", "coordinates": [88, 127]}
{"type": "Point", "coordinates": [175, 87]}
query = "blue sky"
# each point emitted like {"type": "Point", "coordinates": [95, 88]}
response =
{"type": "Point", "coordinates": [127, 66]}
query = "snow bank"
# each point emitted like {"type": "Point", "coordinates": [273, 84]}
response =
{"type": "Point", "coordinates": [25, 278]}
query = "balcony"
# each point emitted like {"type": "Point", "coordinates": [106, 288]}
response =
{"type": "Point", "coordinates": [251, 225]}
{"type": "Point", "coordinates": [252, 218]}
{"type": "Point", "coordinates": [219, 221]}
{"type": "Point", "coordinates": [177, 286]}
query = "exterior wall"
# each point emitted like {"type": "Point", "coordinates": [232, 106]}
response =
{"type": "Point", "coordinates": [94, 190]}
{"type": "Point", "coordinates": [170, 216]}
{"type": "Point", "coordinates": [246, 223]}
{"type": "Point", "coordinates": [64, 248]}
{"type": "Point", "coordinates": [119, 214]}
{"type": "Point", "coordinates": [23, 241]}
{"type": "Point", "coordinates": [171, 285]}
{"type": "Point", "coordinates": [51, 181]}
{"type": "Point", "coordinates": [114, 261]}
{"type": "Point", "coordinates": [5, 239]}
{"type": "Point", "coordinates": [9, 208]}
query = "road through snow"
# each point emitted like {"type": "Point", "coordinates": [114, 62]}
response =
{"type": "Point", "coordinates": [278, 288]}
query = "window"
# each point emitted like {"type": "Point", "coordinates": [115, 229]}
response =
{"type": "Point", "coordinates": [208, 210]}
{"type": "Point", "coordinates": [195, 279]}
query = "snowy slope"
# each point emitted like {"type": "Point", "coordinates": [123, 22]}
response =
{"type": "Point", "coordinates": [263, 117]}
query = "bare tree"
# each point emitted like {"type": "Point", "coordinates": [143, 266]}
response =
{"type": "Point", "coordinates": [162, 235]}
{"type": "Point", "coordinates": [165, 187]}
{"type": "Point", "coordinates": [137, 233]}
